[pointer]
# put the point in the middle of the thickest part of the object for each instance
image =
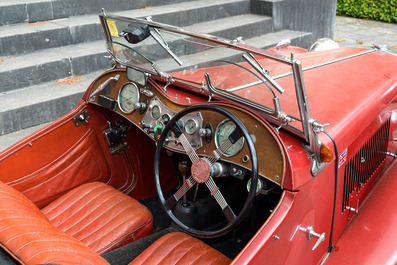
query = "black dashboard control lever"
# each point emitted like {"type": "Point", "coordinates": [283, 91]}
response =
{"type": "Point", "coordinates": [148, 128]}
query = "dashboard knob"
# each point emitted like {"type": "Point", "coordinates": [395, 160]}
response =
{"type": "Point", "coordinates": [140, 105]}
{"type": "Point", "coordinates": [166, 118]}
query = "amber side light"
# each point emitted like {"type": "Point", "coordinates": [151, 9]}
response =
{"type": "Point", "coordinates": [326, 154]}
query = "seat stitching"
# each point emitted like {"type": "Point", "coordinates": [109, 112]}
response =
{"type": "Point", "coordinates": [137, 228]}
{"type": "Point", "coordinates": [168, 239]}
{"type": "Point", "coordinates": [20, 198]}
{"type": "Point", "coordinates": [76, 251]}
{"type": "Point", "coordinates": [197, 257]}
{"type": "Point", "coordinates": [60, 238]}
{"type": "Point", "coordinates": [77, 200]}
{"type": "Point", "coordinates": [187, 252]}
{"type": "Point", "coordinates": [82, 217]}
{"type": "Point", "coordinates": [96, 218]}
{"type": "Point", "coordinates": [105, 223]}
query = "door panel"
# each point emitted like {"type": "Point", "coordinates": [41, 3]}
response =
{"type": "Point", "coordinates": [62, 156]}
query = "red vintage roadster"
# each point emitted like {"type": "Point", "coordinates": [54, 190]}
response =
{"type": "Point", "coordinates": [195, 149]}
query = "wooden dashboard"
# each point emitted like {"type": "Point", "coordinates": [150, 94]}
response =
{"type": "Point", "coordinates": [156, 107]}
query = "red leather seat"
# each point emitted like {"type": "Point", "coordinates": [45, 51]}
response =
{"type": "Point", "coordinates": [27, 234]}
{"type": "Point", "coordinates": [103, 218]}
{"type": "Point", "coordinates": [178, 249]}
{"type": "Point", "coordinates": [100, 216]}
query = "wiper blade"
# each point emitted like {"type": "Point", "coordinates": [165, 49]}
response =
{"type": "Point", "coordinates": [161, 41]}
{"type": "Point", "coordinates": [250, 58]}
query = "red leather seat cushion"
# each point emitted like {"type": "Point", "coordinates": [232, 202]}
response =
{"type": "Point", "coordinates": [100, 216]}
{"type": "Point", "coordinates": [27, 234]}
{"type": "Point", "coordinates": [179, 248]}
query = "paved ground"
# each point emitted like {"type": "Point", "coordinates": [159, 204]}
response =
{"type": "Point", "coordinates": [364, 33]}
{"type": "Point", "coordinates": [348, 32]}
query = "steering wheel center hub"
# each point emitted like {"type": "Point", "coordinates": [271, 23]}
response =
{"type": "Point", "coordinates": [200, 170]}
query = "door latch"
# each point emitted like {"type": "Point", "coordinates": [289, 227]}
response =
{"type": "Point", "coordinates": [310, 233]}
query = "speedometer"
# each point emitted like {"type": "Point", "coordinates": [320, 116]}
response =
{"type": "Point", "coordinates": [128, 97]}
{"type": "Point", "coordinates": [225, 128]}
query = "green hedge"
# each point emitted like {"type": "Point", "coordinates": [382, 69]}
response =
{"type": "Point", "coordinates": [383, 10]}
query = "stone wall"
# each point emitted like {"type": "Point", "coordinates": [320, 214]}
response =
{"type": "Point", "coordinates": [316, 16]}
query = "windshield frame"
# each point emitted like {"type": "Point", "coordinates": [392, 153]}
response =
{"type": "Point", "coordinates": [297, 72]}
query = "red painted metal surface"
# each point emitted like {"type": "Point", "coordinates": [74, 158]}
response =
{"type": "Point", "coordinates": [371, 236]}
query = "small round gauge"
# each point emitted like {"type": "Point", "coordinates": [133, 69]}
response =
{"type": "Point", "coordinates": [128, 97]}
{"type": "Point", "coordinates": [225, 128]}
{"type": "Point", "coordinates": [191, 126]}
{"type": "Point", "coordinates": [155, 112]}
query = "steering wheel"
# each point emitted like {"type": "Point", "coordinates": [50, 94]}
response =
{"type": "Point", "coordinates": [201, 171]}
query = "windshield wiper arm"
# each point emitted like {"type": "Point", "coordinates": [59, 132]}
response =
{"type": "Point", "coordinates": [258, 67]}
{"type": "Point", "coordinates": [161, 41]}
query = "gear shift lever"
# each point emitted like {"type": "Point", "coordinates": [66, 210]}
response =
{"type": "Point", "coordinates": [184, 168]}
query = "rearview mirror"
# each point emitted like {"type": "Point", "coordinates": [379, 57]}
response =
{"type": "Point", "coordinates": [135, 32]}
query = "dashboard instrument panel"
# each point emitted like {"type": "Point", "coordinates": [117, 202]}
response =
{"type": "Point", "coordinates": [150, 108]}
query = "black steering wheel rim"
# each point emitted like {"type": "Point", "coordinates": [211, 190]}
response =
{"type": "Point", "coordinates": [254, 171]}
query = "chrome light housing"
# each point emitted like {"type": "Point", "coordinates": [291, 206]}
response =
{"type": "Point", "coordinates": [323, 44]}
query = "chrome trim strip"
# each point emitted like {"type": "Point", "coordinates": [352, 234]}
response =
{"type": "Point", "coordinates": [304, 69]}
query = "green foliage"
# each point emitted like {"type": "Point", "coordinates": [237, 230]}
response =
{"type": "Point", "coordinates": [383, 10]}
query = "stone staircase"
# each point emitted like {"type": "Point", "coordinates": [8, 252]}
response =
{"type": "Point", "coordinates": [51, 50]}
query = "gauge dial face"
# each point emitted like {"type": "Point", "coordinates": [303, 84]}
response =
{"type": "Point", "coordinates": [128, 96]}
{"type": "Point", "coordinates": [155, 112]}
{"type": "Point", "coordinates": [191, 126]}
{"type": "Point", "coordinates": [225, 128]}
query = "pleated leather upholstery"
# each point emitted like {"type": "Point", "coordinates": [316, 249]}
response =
{"type": "Point", "coordinates": [180, 249]}
{"type": "Point", "coordinates": [100, 216]}
{"type": "Point", "coordinates": [28, 235]}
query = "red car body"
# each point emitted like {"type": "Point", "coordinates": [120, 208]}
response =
{"type": "Point", "coordinates": [352, 89]}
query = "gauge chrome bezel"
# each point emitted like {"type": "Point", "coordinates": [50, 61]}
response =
{"type": "Point", "coordinates": [151, 112]}
{"type": "Point", "coordinates": [119, 97]}
{"type": "Point", "coordinates": [218, 128]}
{"type": "Point", "coordinates": [195, 128]}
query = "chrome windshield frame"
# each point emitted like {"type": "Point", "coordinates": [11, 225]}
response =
{"type": "Point", "coordinates": [309, 136]}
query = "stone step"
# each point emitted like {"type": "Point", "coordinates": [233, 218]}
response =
{"type": "Point", "coordinates": [78, 59]}
{"type": "Point", "coordinates": [26, 38]}
{"type": "Point", "coordinates": [21, 11]}
{"type": "Point", "coordinates": [24, 108]}
{"type": "Point", "coordinates": [46, 102]}
{"type": "Point", "coordinates": [51, 64]}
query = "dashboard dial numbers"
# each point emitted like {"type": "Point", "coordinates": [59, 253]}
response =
{"type": "Point", "coordinates": [128, 97]}
{"type": "Point", "coordinates": [191, 126]}
{"type": "Point", "coordinates": [225, 128]}
{"type": "Point", "coordinates": [155, 112]}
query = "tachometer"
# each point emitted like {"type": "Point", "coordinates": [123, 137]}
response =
{"type": "Point", "coordinates": [128, 97]}
{"type": "Point", "coordinates": [225, 128]}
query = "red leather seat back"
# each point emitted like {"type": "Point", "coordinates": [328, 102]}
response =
{"type": "Point", "coordinates": [28, 235]}
{"type": "Point", "coordinates": [179, 248]}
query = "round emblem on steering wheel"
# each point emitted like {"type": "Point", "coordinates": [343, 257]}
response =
{"type": "Point", "coordinates": [200, 170]}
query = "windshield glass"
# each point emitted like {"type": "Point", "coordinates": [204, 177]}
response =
{"type": "Point", "coordinates": [216, 66]}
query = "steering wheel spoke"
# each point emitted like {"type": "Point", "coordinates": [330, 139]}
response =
{"type": "Point", "coordinates": [188, 148]}
{"type": "Point", "coordinates": [227, 211]}
{"type": "Point", "coordinates": [171, 201]}
{"type": "Point", "coordinates": [222, 149]}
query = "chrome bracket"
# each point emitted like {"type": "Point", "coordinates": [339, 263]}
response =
{"type": "Point", "coordinates": [103, 86]}
{"type": "Point", "coordinates": [81, 118]}
{"type": "Point", "coordinates": [310, 233]}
